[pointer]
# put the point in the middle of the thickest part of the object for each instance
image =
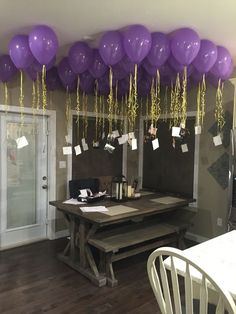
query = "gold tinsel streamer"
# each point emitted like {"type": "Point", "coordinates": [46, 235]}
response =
{"type": "Point", "coordinates": [6, 98]}
{"type": "Point", "coordinates": [146, 113]}
{"type": "Point", "coordinates": [100, 115]}
{"type": "Point", "coordinates": [184, 99]}
{"type": "Point", "coordinates": [219, 112]}
{"type": "Point", "coordinates": [135, 97]}
{"type": "Point", "coordinates": [38, 91]}
{"type": "Point", "coordinates": [203, 99]}
{"type": "Point", "coordinates": [103, 114]}
{"type": "Point", "coordinates": [33, 98]}
{"type": "Point", "coordinates": [110, 102]}
{"type": "Point", "coordinates": [158, 98]}
{"type": "Point", "coordinates": [85, 114]}
{"type": "Point", "coordinates": [129, 104]}
{"type": "Point", "coordinates": [96, 110]}
{"type": "Point", "coordinates": [177, 103]}
{"type": "Point", "coordinates": [67, 108]}
{"type": "Point", "coordinates": [116, 106]}
{"type": "Point", "coordinates": [165, 105]}
{"type": "Point", "coordinates": [198, 104]}
{"type": "Point", "coordinates": [172, 105]}
{"type": "Point", "coordinates": [44, 89]}
{"type": "Point", "coordinates": [77, 102]}
{"type": "Point", "coordinates": [21, 99]}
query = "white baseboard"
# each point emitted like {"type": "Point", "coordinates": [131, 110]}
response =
{"type": "Point", "coordinates": [62, 234]}
{"type": "Point", "coordinates": [195, 237]}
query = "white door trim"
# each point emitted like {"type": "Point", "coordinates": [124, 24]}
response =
{"type": "Point", "coordinates": [50, 210]}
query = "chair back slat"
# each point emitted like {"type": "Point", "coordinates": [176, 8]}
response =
{"type": "Point", "coordinates": [188, 291]}
{"type": "Point", "coordinates": [175, 286]}
{"type": "Point", "coordinates": [203, 296]}
{"type": "Point", "coordinates": [166, 289]}
{"type": "Point", "coordinates": [180, 265]}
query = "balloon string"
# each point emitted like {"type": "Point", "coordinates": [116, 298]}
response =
{"type": "Point", "coordinates": [116, 105]}
{"type": "Point", "coordinates": [219, 112]}
{"type": "Point", "coordinates": [147, 114]}
{"type": "Point", "coordinates": [77, 106]}
{"type": "Point", "coordinates": [6, 97]}
{"type": "Point", "coordinates": [135, 103]}
{"type": "Point", "coordinates": [198, 104]}
{"type": "Point", "coordinates": [110, 101]}
{"type": "Point", "coordinates": [67, 109]}
{"type": "Point", "coordinates": [96, 110]}
{"type": "Point", "coordinates": [184, 99]}
{"type": "Point", "coordinates": [177, 103]}
{"type": "Point", "coordinates": [44, 89]}
{"type": "Point", "coordinates": [129, 103]}
{"type": "Point", "coordinates": [21, 99]}
{"type": "Point", "coordinates": [33, 97]}
{"type": "Point", "coordinates": [203, 99]}
{"type": "Point", "coordinates": [165, 104]}
{"type": "Point", "coordinates": [172, 105]}
{"type": "Point", "coordinates": [38, 91]}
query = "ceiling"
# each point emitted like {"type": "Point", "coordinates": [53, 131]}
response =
{"type": "Point", "coordinates": [75, 20]}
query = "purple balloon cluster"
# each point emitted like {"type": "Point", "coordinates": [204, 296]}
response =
{"type": "Point", "coordinates": [121, 50]}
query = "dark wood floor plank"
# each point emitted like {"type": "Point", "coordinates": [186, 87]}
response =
{"type": "Point", "coordinates": [34, 281]}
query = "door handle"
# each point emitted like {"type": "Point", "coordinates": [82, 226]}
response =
{"type": "Point", "coordinates": [45, 187]}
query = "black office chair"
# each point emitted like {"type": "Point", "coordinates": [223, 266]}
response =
{"type": "Point", "coordinates": [79, 184]}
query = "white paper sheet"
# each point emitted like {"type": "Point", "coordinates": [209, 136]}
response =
{"type": "Point", "coordinates": [21, 142]}
{"type": "Point", "coordinates": [184, 148]}
{"type": "Point", "coordinates": [67, 150]}
{"type": "Point", "coordinates": [217, 140]}
{"type": "Point", "coordinates": [175, 131]}
{"type": "Point", "coordinates": [198, 129]}
{"type": "Point", "coordinates": [155, 144]}
{"type": "Point", "coordinates": [134, 144]}
{"type": "Point", "coordinates": [167, 200]}
{"type": "Point", "coordinates": [73, 201]}
{"type": "Point", "coordinates": [77, 150]}
{"type": "Point", "coordinates": [93, 209]}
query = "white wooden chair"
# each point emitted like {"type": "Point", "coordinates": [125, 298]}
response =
{"type": "Point", "coordinates": [168, 295]}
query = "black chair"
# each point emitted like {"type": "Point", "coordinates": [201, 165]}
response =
{"type": "Point", "coordinates": [88, 183]}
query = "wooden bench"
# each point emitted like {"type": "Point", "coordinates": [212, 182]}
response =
{"type": "Point", "coordinates": [128, 240]}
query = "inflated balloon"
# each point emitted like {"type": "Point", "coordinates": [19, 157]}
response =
{"type": "Point", "coordinates": [123, 87]}
{"type": "Point", "coordinates": [185, 45]}
{"type": "Point", "coordinates": [152, 70]}
{"type": "Point", "coordinates": [52, 79]}
{"type": "Point", "coordinates": [87, 82]}
{"type": "Point", "coordinates": [67, 76]}
{"type": "Point", "coordinates": [7, 68]}
{"type": "Point", "coordinates": [97, 68]}
{"type": "Point", "coordinates": [166, 70]}
{"type": "Point", "coordinates": [31, 72]}
{"type": "Point", "coordinates": [144, 86]}
{"type": "Point", "coordinates": [223, 62]}
{"type": "Point", "coordinates": [137, 42]}
{"type": "Point", "coordinates": [206, 56]}
{"type": "Point", "coordinates": [43, 43]}
{"type": "Point", "coordinates": [127, 64]}
{"type": "Point", "coordinates": [19, 51]}
{"type": "Point", "coordinates": [38, 66]}
{"type": "Point", "coordinates": [80, 57]}
{"type": "Point", "coordinates": [160, 49]}
{"type": "Point", "coordinates": [175, 65]}
{"type": "Point", "coordinates": [111, 47]}
{"type": "Point", "coordinates": [118, 72]}
{"type": "Point", "coordinates": [196, 76]}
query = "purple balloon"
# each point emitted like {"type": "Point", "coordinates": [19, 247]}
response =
{"type": "Point", "coordinates": [7, 68]}
{"type": "Point", "coordinates": [137, 42]}
{"type": "Point", "coordinates": [43, 43]}
{"type": "Point", "coordinates": [127, 64]}
{"type": "Point", "coordinates": [185, 45]}
{"type": "Point", "coordinates": [118, 72]}
{"type": "Point", "coordinates": [52, 79]}
{"type": "Point", "coordinates": [175, 65]}
{"type": "Point", "coordinates": [206, 56]}
{"type": "Point", "coordinates": [19, 51]}
{"type": "Point", "coordinates": [222, 64]}
{"type": "Point", "coordinates": [32, 72]}
{"type": "Point", "coordinates": [97, 68]}
{"type": "Point", "coordinates": [111, 47]}
{"type": "Point", "coordinates": [103, 88]}
{"type": "Point", "coordinates": [196, 76]}
{"type": "Point", "coordinates": [67, 76]}
{"type": "Point", "coordinates": [87, 82]}
{"type": "Point", "coordinates": [80, 57]}
{"type": "Point", "coordinates": [160, 49]}
{"type": "Point", "coordinates": [38, 66]}
{"type": "Point", "coordinates": [152, 70]}
{"type": "Point", "coordinates": [166, 70]}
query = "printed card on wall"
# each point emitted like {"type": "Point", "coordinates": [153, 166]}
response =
{"type": "Point", "coordinates": [198, 129]}
{"type": "Point", "coordinates": [217, 140]}
{"type": "Point", "coordinates": [84, 144]}
{"type": "Point", "coordinates": [67, 150]}
{"type": "Point", "coordinates": [175, 131]}
{"type": "Point", "coordinates": [21, 142]}
{"type": "Point", "coordinates": [134, 144]}
{"type": "Point", "coordinates": [184, 148]}
{"type": "Point", "coordinates": [155, 144]}
{"type": "Point", "coordinates": [77, 150]}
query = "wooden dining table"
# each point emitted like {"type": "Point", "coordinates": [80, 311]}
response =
{"type": "Point", "coordinates": [84, 226]}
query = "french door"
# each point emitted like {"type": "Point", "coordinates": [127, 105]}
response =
{"type": "Point", "coordinates": [23, 179]}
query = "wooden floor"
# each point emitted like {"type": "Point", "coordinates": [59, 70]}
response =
{"type": "Point", "coordinates": [33, 281]}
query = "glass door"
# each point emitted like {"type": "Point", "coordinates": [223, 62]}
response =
{"type": "Point", "coordinates": [23, 187]}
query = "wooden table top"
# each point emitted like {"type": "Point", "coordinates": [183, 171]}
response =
{"type": "Point", "coordinates": [144, 207]}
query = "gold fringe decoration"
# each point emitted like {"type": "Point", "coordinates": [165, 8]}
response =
{"type": "Point", "coordinates": [103, 113]}
{"type": "Point", "coordinates": [116, 106]}
{"type": "Point", "coordinates": [67, 108]}
{"type": "Point", "coordinates": [110, 102]}
{"type": "Point", "coordinates": [44, 89]}
{"type": "Point", "coordinates": [135, 97]}
{"type": "Point", "coordinates": [203, 100]}
{"type": "Point", "coordinates": [146, 113]}
{"type": "Point", "coordinates": [21, 99]}
{"type": "Point", "coordinates": [129, 104]}
{"type": "Point", "coordinates": [38, 91]}
{"type": "Point", "coordinates": [172, 105]}
{"type": "Point", "coordinates": [77, 102]}
{"type": "Point", "coordinates": [176, 110]}
{"type": "Point", "coordinates": [184, 99]}
{"type": "Point", "coordinates": [219, 112]}
{"type": "Point", "coordinates": [100, 115]}
{"type": "Point", "coordinates": [198, 104]}
{"type": "Point", "coordinates": [6, 97]}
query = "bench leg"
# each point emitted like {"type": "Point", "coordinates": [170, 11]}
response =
{"type": "Point", "coordinates": [180, 241]}
{"type": "Point", "coordinates": [111, 280]}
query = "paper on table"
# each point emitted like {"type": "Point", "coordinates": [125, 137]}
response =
{"type": "Point", "coordinates": [167, 200]}
{"type": "Point", "coordinates": [93, 209]}
{"type": "Point", "coordinates": [73, 201]}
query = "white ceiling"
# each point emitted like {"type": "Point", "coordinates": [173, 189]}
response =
{"type": "Point", "coordinates": [73, 20]}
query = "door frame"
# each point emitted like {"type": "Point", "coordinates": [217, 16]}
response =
{"type": "Point", "coordinates": [51, 165]}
